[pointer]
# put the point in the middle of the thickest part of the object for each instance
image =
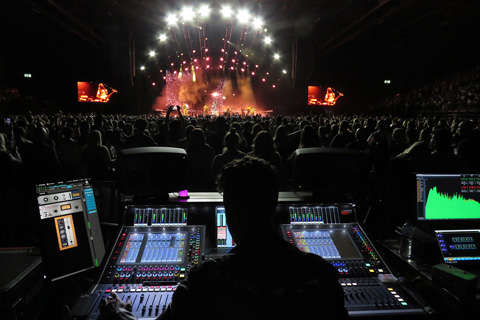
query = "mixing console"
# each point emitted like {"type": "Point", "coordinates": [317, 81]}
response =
{"type": "Point", "coordinates": [157, 249]}
{"type": "Point", "coordinates": [147, 264]}
{"type": "Point", "coordinates": [369, 287]}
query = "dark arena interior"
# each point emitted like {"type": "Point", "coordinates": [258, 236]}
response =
{"type": "Point", "coordinates": [239, 159]}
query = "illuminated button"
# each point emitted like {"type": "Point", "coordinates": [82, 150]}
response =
{"type": "Point", "coordinates": [120, 290]}
{"type": "Point", "coordinates": [114, 290]}
{"type": "Point", "coordinates": [182, 276]}
{"type": "Point", "coordinates": [139, 290]}
{"type": "Point", "coordinates": [401, 300]}
{"type": "Point", "coordinates": [404, 304]}
{"type": "Point", "coordinates": [380, 270]}
{"type": "Point", "coordinates": [393, 292]}
{"type": "Point", "coordinates": [145, 289]}
{"type": "Point", "coordinates": [343, 284]}
{"type": "Point", "coordinates": [396, 296]}
{"type": "Point", "coordinates": [163, 288]}
{"type": "Point", "coordinates": [389, 289]}
{"type": "Point", "coordinates": [132, 290]}
{"type": "Point", "coordinates": [371, 270]}
{"type": "Point", "coordinates": [108, 290]}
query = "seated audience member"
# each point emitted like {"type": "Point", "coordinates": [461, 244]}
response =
{"type": "Point", "coordinates": [343, 137]}
{"type": "Point", "coordinates": [200, 156]}
{"type": "Point", "coordinates": [98, 160]}
{"type": "Point", "coordinates": [230, 152]}
{"type": "Point", "coordinates": [263, 147]}
{"type": "Point", "coordinates": [443, 159]}
{"type": "Point", "coordinates": [141, 137]}
{"type": "Point", "coordinates": [263, 275]}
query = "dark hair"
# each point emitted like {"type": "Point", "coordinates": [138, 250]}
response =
{"type": "Point", "coordinates": [251, 185]}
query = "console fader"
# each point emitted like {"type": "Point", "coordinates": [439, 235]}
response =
{"type": "Point", "coordinates": [149, 259]}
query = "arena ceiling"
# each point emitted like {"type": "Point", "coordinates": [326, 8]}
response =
{"type": "Point", "coordinates": [343, 41]}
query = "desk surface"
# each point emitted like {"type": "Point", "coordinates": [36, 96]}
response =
{"type": "Point", "coordinates": [16, 264]}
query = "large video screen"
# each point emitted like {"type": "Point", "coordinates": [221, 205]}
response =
{"type": "Point", "coordinates": [448, 196]}
{"type": "Point", "coordinates": [94, 92]}
{"type": "Point", "coordinates": [322, 96]}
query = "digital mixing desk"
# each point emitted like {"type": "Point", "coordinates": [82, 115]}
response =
{"type": "Point", "coordinates": [158, 246]}
{"type": "Point", "coordinates": [150, 257]}
{"type": "Point", "coordinates": [368, 285]}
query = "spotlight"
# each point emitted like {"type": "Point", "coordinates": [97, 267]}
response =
{"type": "Point", "coordinates": [276, 56]}
{"type": "Point", "coordinates": [243, 16]}
{"type": "Point", "coordinates": [142, 68]}
{"type": "Point", "coordinates": [257, 23]}
{"type": "Point", "coordinates": [171, 19]}
{"type": "Point", "coordinates": [162, 37]}
{"type": "Point", "coordinates": [151, 53]}
{"type": "Point", "coordinates": [188, 14]}
{"type": "Point", "coordinates": [253, 73]}
{"type": "Point", "coordinates": [227, 12]}
{"type": "Point", "coordinates": [204, 10]}
{"type": "Point", "coordinates": [268, 40]}
{"type": "Point", "coordinates": [284, 71]}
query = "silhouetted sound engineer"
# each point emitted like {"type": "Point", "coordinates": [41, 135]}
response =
{"type": "Point", "coordinates": [263, 277]}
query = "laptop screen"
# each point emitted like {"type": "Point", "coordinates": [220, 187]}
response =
{"type": "Point", "coordinates": [71, 236]}
{"type": "Point", "coordinates": [459, 246]}
{"type": "Point", "coordinates": [448, 196]}
{"type": "Point", "coordinates": [224, 238]}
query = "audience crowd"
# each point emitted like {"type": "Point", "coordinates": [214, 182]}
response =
{"type": "Point", "coordinates": [39, 148]}
{"type": "Point", "coordinates": [460, 92]}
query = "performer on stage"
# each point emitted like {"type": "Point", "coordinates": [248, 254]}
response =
{"type": "Point", "coordinates": [102, 93]}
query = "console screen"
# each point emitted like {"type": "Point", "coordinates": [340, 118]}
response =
{"type": "Point", "coordinates": [165, 247]}
{"type": "Point", "coordinates": [323, 240]}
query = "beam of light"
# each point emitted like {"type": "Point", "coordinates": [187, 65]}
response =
{"type": "Point", "coordinates": [276, 56]}
{"type": "Point", "coordinates": [204, 10]}
{"type": "Point", "coordinates": [243, 16]}
{"type": "Point", "coordinates": [162, 37]}
{"type": "Point", "coordinates": [171, 19]}
{"type": "Point", "coordinates": [227, 12]}
{"type": "Point", "coordinates": [268, 40]}
{"type": "Point", "coordinates": [188, 14]}
{"type": "Point", "coordinates": [257, 23]}
{"type": "Point", "coordinates": [151, 53]}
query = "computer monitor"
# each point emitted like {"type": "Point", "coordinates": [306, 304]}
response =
{"type": "Point", "coordinates": [338, 173]}
{"type": "Point", "coordinates": [448, 197]}
{"type": "Point", "coordinates": [70, 233]}
{"type": "Point", "coordinates": [152, 171]}
{"type": "Point", "coordinates": [459, 246]}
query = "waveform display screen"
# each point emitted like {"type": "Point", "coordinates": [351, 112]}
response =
{"type": "Point", "coordinates": [458, 246]}
{"type": "Point", "coordinates": [329, 244]}
{"type": "Point", "coordinates": [448, 196]}
{"type": "Point", "coordinates": [164, 247]}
